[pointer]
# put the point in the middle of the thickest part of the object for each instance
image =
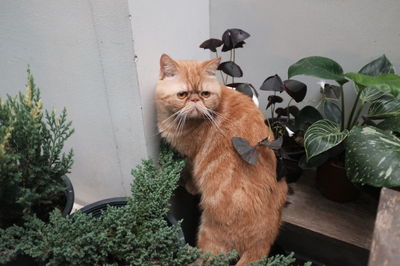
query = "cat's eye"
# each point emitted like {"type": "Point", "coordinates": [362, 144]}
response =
{"type": "Point", "coordinates": [205, 94]}
{"type": "Point", "coordinates": [182, 95]}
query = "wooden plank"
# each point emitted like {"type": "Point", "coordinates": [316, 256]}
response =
{"type": "Point", "coordinates": [320, 249]}
{"type": "Point", "coordinates": [386, 239]}
{"type": "Point", "coordinates": [351, 223]}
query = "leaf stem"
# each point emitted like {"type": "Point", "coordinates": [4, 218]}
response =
{"type": "Point", "coordinates": [342, 103]}
{"type": "Point", "coordinates": [222, 76]}
{"type": "Point", "coordinates": [288, 111]}
{"type": "Point", "coordinates": [353, 110]}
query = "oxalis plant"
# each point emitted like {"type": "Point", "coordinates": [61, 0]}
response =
{"type": "Point", "coordinates": [281, 118]}
{"type": "Point", "coordinates": [135, 234]}
{"type": "Point", "coordinates": [369, 139]}
{"type": "Point", "coordinates": [31, 158]}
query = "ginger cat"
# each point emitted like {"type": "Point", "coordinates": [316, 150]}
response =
{"type": "Point", "coordinates": [198, 116]}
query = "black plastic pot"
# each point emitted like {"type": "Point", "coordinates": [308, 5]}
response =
{"type": "Point", "coordinates": [24, 260]}
{"type": "Point", "coordinates": [332, 182]}
{"type": "Point", "coordinates": [69, 195]}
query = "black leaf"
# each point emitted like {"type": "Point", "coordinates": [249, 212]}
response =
{"type": "Point", "coordinates": [281, 112]}
{"type": "Point", "coordinates": [233, 38]}
{"type": "Point", "coordinates": [227, 48]}
{"type": "Point", "coordinates": [246, 151]}
{"type": "Point", "coordinates": [247, 89]}
{"type": "Point", "coordinates": [296, 89]}
{"type": "Point", "coordinates": [272, 99]}
{"type": "Point", "coordinates": [293, 110]}
{"type": "Point", "coordinates": [275, 144]}
{"type": "Point", "coordinates": [231, 68]}
{"type": "Point", "coordinates": [211, 44]}
{"type": "Point", "coordinates": [306, 117]}
{"type": "Point", "coordinates": [272, 83]}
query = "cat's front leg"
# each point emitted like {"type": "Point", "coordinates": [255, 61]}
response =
{"type": "Point", "coordinates": [187, 181]}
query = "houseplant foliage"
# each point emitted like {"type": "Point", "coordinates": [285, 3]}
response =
{"type": "Point", "coordinates": [281, 120]}
{"type": "Point", "coordinates": [31, 158]}
{"type": "Point", "coordinates": [370, 141]}
{"type": "Point", "coordinates": [135, 234]}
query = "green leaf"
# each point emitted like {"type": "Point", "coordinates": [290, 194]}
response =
{"type": "Point", "coordinates": [318, 66]}
{"type": "Point", "coordinates": [306, 117]}
{"type": "Point", "coordinates": [384, 108]}
{"type": "Point", "coordinates": [388, 83]}
{"type": "Point", "coordinates": [378, 67]}
{"type": "Point", "coordinates": [332, 111]}
{"type": "Point", "coordinates": [370, 94]}
{"type": "Point", "coordinates": [373, 157]}
{"type": "Point", "coordinates": [391, 123]}
{"type": "Point", "coordinates": [322, 136]}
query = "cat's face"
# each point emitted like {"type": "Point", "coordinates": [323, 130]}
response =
{"type": "Point", "coordinates": [188, 88]}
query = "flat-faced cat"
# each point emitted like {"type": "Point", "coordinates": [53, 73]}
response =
{"type": "Point", "coordinates": [198, 116]}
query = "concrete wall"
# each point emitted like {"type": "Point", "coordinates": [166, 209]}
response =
{"type": "Point", "coordinates": [352, 32]}
{"type": "Point", "coordinates": [82, 57]}
{"type": "Point", "coordinates": [175, 27]}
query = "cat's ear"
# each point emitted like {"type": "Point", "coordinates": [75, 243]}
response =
{"type": "Point", "coordinates": [211, 66]}
{"type": "Point", "coordinates": [168, 67]}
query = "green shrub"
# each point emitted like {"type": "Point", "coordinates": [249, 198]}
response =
{"type": "Point", "coordinates": [135, 234]}
{"type": "Point", "coordinates": [31, 158]}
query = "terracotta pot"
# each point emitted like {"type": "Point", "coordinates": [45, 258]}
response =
{"type": "Point", "coordinates": [333, 183]}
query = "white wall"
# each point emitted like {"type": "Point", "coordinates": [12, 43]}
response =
{"type": "Point", "coordinates": [352, 32]}
{"type": "Point", "coordinates": [82, 57]}
{"type": "Point", "coordinates": [175, 27]}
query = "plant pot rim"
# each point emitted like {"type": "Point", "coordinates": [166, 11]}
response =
{"type": "Point", "coordinates": [69, 195]}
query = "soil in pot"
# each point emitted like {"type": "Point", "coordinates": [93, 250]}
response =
{"type": "Point", "coordinates": [332, 182]}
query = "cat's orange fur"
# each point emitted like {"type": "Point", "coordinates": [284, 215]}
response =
{"type": "Point", "coordinates": [241, 203]}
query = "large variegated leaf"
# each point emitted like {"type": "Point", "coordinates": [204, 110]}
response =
{"type": "Point", "coordinates": [391, 124]}
{"type": "Point", "coordinates": [384, 108]}
{"type": "Point", "coordinates": [386, 83]}
{"type": "Point", "coordinates": [322, 136]}
{"type": "Point", "coordinates": [318, 66]}
{"type": "Point", "coordinates": [368, 95]}
{"type": "Point", "coordinates": [373, 157]}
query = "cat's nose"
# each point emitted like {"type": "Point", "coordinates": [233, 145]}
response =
{"type": "Point", "coordinates": [195, 99]}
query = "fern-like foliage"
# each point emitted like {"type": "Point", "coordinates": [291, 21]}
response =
{"type": "Point", "coordinates": [135, 234]}
{"type": "Point", "coordinates": [31, 157]}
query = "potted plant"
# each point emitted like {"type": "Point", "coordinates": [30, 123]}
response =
{"type": "Point", "coordinates": [365, 147]}
{"type": "Point", "coordinates": [32, 164]}
{"type": "Point", "coordinates": [289, 123]}
{"type": "Point", "coordinates": [135, 233]}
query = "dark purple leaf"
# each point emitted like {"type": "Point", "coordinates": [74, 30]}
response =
{"type": "Point", "coordinates": [211, 44]}
{"type": "Point", "coordinates": [231, 68]}
{"type": "Point", "coordinates": [227, 48]}
{"type": "Point", "coordinates": [275, 144]}
{"type": "Point", "coordinates": [233, 38]}
{"type": "Point", "coordinates": [296, 89]}
{"type": "Point", "coordinates": [247, 89]}
{"type": "Point", "coordinates": [246, 151]}
{"type": "Point", "coordinates": [272, 83]}
{"type": "Point", "coordinates": [293, 110]}
{"type": "Point", "coordinates": [281, 112]}
{"type": "Point", "coordinates": [234, 85]}
{"type": "Point", "coordinates": [272, 99]}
